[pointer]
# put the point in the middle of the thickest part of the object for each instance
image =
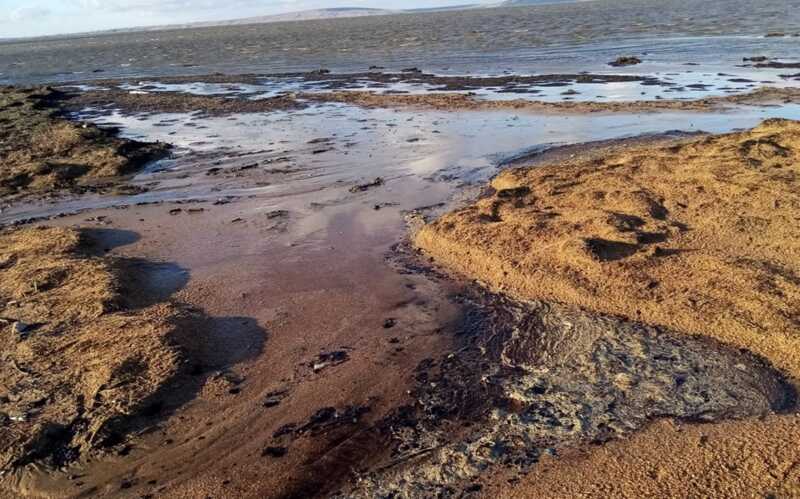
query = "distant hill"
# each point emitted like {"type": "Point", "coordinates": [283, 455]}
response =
{"type": "Point", "coordinates": [451, 7]}
{"type": "Point", "coordinates": [305, 15]}
{"type": "Point", "coordinates": [514, 3]}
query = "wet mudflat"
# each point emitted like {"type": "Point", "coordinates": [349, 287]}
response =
{"type": "Point", "coordinates": [327, 148]}
{"type": "Point", "coordinates": [225, 94]}
{"type": "Point", "coordinates": [348, 367]}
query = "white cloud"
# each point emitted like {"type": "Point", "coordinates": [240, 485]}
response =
{"type": "Point", "coordinates": [43, 17]}
{"type": "Point", "coordinates": [21, 14]}
{"type": "Point", "coordinates": [161, 5]}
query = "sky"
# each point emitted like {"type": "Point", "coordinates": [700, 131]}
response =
{"type": "Point", "coordinates": [47, 17]}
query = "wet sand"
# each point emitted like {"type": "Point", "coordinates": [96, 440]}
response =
{"type": "Point", "coordinates": [467, 102]}
{"type": "Point", "coordinates": [673, 89]}
{"type": "Point", "coordinates": [343, 360]}
{"type": "Point", "coordinates": [176, 102]}
{"type": "Point", "coordinates": [303, 302]}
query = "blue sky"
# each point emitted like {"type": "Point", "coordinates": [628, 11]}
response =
{"type": "Point", "coordinates": [45, 17]}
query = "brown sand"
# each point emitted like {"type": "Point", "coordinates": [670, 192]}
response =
{"type": "Point", "coordinates": [456, 101]}
{"type": "Point", "coordinates": [41, 152]}
{"type": "Point", "coordinates": [738, 459]}
{"type": "Point", "coordinates": [177, 102]}
{"type": "Point", "coordinates": [702, 237]}
{"type": "Point", "coordinates": [77, 358]}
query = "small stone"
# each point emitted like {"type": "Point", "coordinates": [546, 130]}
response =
{"type": "Point", "coordinates": [389, 323]}
{"type": "Point", "coordinates": [18, 418]}
{"type": "Point", "coordinates": [277, 214]}
{"type": "Point", "coordinates": [274, 452]}
{"type": "Point", "coordinates": [363, 187]}
{"type": "Point", "coordinates": [19, 327]}
{"type": "Point", "coordinates": [625, 61]}
{"type": "Point", "coordinates": [275, 398]}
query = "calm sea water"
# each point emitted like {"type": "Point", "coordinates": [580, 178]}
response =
{"type": "Point", "coordinates": [563, 37]}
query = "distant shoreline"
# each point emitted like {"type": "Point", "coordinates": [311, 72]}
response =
{"type": "Point", "coordinates": [299, 16]}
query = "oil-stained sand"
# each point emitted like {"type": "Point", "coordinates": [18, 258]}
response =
{"type": "Point", "coordinates": [530, 379]}
{"type": "Point", "coordinates": [80, 354]}
{"type": "Point", "coordinates": [41, 152]}
{"type": "Point", "coordinates": [700, 237]}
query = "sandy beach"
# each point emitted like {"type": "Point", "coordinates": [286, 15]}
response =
{"type": "Point", "coordinates": [406, 282]}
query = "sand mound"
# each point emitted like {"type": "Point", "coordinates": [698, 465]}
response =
{"type": "Point", "coordinates": [76, 359]}
{"type": "Point", "coordinates": [41, 152]}
{"type": "Point", "coordinates": [702, 236]}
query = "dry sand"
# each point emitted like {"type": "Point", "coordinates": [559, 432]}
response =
{"type": "Point", "coordinates": [739, 459]}
{"type": "Point", "coordinates": [79, 353]}
{"type": "Point", "coordinates": [701, 237]}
